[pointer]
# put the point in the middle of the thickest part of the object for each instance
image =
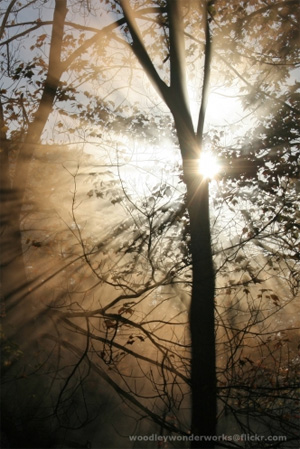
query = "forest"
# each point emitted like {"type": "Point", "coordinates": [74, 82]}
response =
{"type": "Point", "coordinates": [149, 184]}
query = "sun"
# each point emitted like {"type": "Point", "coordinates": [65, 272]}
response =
{"type": "Point", "coordinates": [208, 165]}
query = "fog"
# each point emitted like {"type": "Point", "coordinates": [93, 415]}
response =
{"type": "Point", "coordinates": [98, 346]}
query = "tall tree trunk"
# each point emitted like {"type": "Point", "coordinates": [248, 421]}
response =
{"type": "Point", "coordinates": [203, 370]}
{"type": "Point", "coordinates": [12, 269]}
{"type": "Point", "coordinates": [202, 320]}
{"type": "Point", "coordinates": [202, 306]}
{"type": "Point", "coordinates": [202, 323]}
{"type": "Point", "coordinates": [13, 274]}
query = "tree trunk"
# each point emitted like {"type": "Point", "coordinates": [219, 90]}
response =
{"type": "Point", "coordinates": [12, 269]}
{"type": "Point", "coordinates": [202, 323]}
{"type": "Point", "coordinates": [13, 274]}
{"type": "Point", "coordinates": [203, 369]}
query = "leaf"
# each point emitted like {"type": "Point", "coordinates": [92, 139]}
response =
{"type": "Point", "coordinates": [36, 244]}
{"type": "Point", "coordinates": [29, 74]}
{"type": "Point", "coordinates": [110, 324]}
{"type": "Point", "coordinates": [275, 300]}
{"type": "Point", "coordinates": [274, 297]}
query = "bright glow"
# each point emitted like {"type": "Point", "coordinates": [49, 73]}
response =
{"type": "Point", "coordinates": [208, 165]}
{"type": "Point", "coordinates": [223, 107]}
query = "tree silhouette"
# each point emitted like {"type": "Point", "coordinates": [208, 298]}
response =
{"type": "Point", "coordinates": [175, 44]}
